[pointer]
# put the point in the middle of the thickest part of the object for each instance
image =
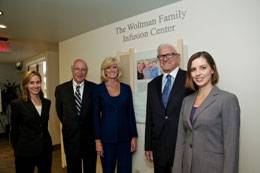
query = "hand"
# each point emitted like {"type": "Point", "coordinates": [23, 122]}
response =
{"type": "Point", "coordinates": [149, 155]}
{"type": "Point", "coordinates": [99, 148]}
{"type": "Point", "coordinates": [133, 144]}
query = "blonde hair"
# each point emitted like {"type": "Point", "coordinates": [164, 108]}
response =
{"type": "Point", "coordinates": [26, 79]}
{"type": "Point", "coordinates": [108, 62]}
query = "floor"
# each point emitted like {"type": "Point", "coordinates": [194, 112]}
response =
{"type": "Point", "coordinates": [7, 158]}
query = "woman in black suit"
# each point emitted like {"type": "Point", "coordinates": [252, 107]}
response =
{"type": "Point", "coordinates": [29, 127]}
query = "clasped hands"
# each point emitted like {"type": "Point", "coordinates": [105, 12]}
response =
{"type": "Point", "coordinates": [100, 151]}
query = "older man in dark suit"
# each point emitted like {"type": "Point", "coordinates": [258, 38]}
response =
{"type": "Point", "coordinates": [74, 109]}
{"type": "Point", "coordinates": [164, 99]}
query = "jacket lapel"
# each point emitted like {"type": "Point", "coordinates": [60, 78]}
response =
{"type": "Point", "coordinates": [159, 89]}
{"type": "Point", "coordinates": [72, 98]}
{"type": "Point", "coordinates": [31, 107]}
{"type": "Point", "coordinates": [211, 98]}
{"type": "Point", "coordinates": [174, 89]}
{"type": "Point", "coordinates": [189, 104]}
{"type": "Point", "coordinates": [86, 94]}
{"type": "Point", "coordinates": [44, 108]}
{"type": "Point", "coordinates": [107, 96]}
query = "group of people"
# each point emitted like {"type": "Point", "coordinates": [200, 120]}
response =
{"type": "Point", "coordinates": [191, 124]}
{"type": "Point", "coordinates": [196, 130]}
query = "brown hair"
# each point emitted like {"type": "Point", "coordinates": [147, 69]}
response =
{"type": "Point", "coordinates": [26, 79]}
{"type": "Point", "coordinates": [215, 77]}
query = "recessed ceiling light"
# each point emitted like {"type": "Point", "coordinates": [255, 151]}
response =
{"type": "Point", "coordinates": [1, 13]}
{"type": "Point", "coordinates": [3, 26]}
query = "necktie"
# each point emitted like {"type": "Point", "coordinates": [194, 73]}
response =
{"type": "Point", "coordinates": [78, 100]}
{"type": "Point", "coordinates": [166, 90]}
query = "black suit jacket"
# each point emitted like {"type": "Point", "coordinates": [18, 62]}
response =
{"type": "Point", "coordinates": [78, 131]}
{"type": "Point", "coordinates": [162, 124]}
{"type": "Point", "coordinates": [29, 130]}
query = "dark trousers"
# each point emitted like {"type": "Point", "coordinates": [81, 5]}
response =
{"type": "Point", "coordinates": [27, 164]}
{"type": "Point", "coordinates": [162, 169]}
{"type": "Point", "coordinates": [87, 163]}
{"type": "Point", "coordinates": [117, 154]}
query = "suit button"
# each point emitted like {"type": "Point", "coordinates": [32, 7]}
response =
{"type": "Point", "coordinates": [190, 145]}
{"type": "Point", "coordinates": [166, 117]}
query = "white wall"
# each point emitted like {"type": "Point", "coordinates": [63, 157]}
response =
{"type": "Point", "coordinates": [229, 30]}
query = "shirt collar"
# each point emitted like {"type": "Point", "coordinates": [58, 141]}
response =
{"type": "Point", "coordinates": [75, 84]}
{"type": "Point", "coordinates": [173, 73]}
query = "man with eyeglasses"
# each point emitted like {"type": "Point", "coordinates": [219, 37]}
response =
{"type": "Point", "coordinates": [164, 99]}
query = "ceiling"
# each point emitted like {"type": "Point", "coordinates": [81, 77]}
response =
{"type": "Point", "coordinates": [38, 25]}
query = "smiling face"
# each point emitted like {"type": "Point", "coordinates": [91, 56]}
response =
{"type": "Point", "coordinates": [110, 69]}
{"type": "Point", "coordinates": [79, 71]}
{"type": "Point", "coordinates": [169, 58]}
{"type": "Point", "coordinates": [201, 72]}
{"type": "Point", "coordinates": [34, 85]}
{"type": "Point", "coordinates": [111, 72]}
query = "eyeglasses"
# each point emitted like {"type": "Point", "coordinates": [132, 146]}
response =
{"type": "Point", "coordinates": [167, 56]}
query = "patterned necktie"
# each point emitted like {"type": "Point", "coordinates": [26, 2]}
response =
{"type": "Point", "coordinates": [166, 90]}
{"type": "Point", "coordinates": [78, 100]}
